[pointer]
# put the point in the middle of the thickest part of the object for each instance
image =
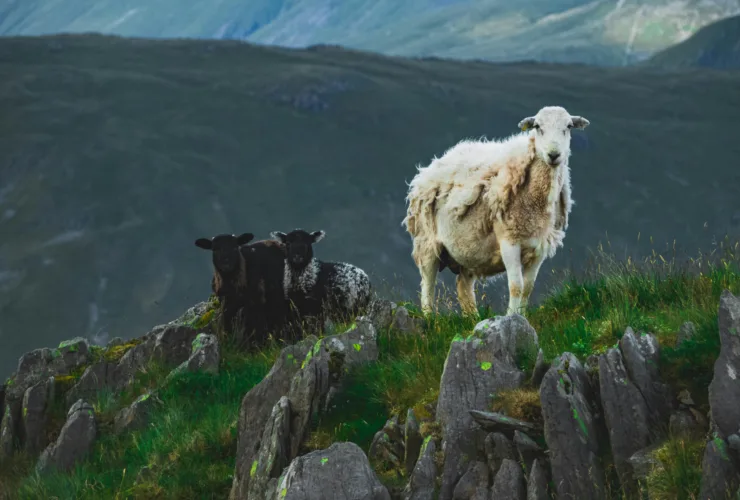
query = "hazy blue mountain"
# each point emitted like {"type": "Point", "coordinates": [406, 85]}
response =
{"type": "Point", "coordinates": [714, 46]}
{"type": "Point", "coordinates": [590, 31]}
{"type": "Point", "coordinates": [116, 154]}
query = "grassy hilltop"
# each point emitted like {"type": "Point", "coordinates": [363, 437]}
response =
{"type": "Point", "coordinates": [115, 154]}
{"type": "Point", "coordinates": [189, 446]}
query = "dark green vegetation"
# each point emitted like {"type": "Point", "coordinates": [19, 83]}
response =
{"type": "Point", "coordinates": [190, 445]}
{"type": "Point", "coordinates": [714, 46]}
{"type": "Point", "coordinates": [116, 154]}
{"type": "Point", "coordinates": [588, 31]}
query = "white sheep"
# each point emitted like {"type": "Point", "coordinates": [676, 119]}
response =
{"type": "Point", "coordinates": [486, 207]}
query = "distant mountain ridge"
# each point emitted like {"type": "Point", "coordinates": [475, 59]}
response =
{"type": "Point", "coordinates": [714, 46]}
{"type": "Point", "coordinates": [604, 32]}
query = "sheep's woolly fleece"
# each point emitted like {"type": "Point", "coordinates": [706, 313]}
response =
{"type": "Point", "coordinates": [348, 284]}
{"type": "Point", "coordinates": [470, 165]}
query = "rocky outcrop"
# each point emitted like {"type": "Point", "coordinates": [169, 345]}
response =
{"type": "Point", "coordinates": [74, 441]}
{"type": "Point", "coordinates": [421, 485]}
{"type": "Point", "coordinates": [342, 469]}
{"type": "Point", "coordinates": [720, 470]}
{"type": "Point", "coordinates": [570, 430]}
{"type": "Point", "coordinates": [136, 415]}
{"type": "Point", "coordinates": [37, 401]}
{"type": "Point", "coordinates": [476, 368]}
{"type": "Point", "coordinates": [205, 356]}
{"type": "Point", "coordinates": [256, 408]}
{"type": "Point", "coordinates": [274, 454]}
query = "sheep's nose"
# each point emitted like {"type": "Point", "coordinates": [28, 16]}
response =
{"type": "Point", "coordinates": [553, 156]}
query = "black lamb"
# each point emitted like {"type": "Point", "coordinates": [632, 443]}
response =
{"type": "Point", "coordinates": [321, 290]}
{"type": "Point", "coordinates": [248, 280]}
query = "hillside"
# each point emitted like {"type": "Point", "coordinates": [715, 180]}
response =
{"type": "Point", "coordinates": [626, 377]}
{"type": "Point", "coordinates": [714, 46]}
{"type": "Point", "coordinates": [589, 31]}
{"type": "Point", "coordinates": [116, 154]}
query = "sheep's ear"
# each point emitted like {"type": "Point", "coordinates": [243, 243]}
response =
{"type": "Point", "coordinates": [244, 238]}
{"type": "Point", "coordinates": [318, 236]}
{"type": "Point", "coordinates": [280, 236]}
{"type": "Point", "coordinates": [204, 243]}
{"type": "Point", "coordinates": [579, 122]}
{"type": "Point", "coordinates": [527, 123]}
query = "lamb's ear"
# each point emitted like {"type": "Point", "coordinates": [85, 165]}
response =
{"type": "Point", "coordinates": [280, 236]}
{"type": "Point", "coordinates": [318, 236]}
{"type": "Point", "coordinates": [579, 122]}
{"type": "Point", "coordinates": [204, 243]}
{"type": "Point", "coordinates": [244, 238]}
{"type": "Point", "coordinates": [527, 123]}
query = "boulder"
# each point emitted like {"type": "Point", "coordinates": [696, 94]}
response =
{"type": "Point", "coordinates": [342, 470]}
{"type": "Point", "coordinates": [477, 368]}
{"type": "Point", "coordinates": [74, 441]}
{"type": "Point", "coordinates": [421, 481]}
{"type": "Point", "coordinates": [570, 430]}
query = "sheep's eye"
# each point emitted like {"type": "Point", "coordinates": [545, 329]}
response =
{"type": "Point", "coordinates": [536, 126]}
{"type": "Point", "coordinates": [570, 126]}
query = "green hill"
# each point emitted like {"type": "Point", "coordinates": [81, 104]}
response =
{"type": "Point", "coordinates": [116, 154]}
{"type": "Point", "coordinates": [714, 46]}
{"type": "Point", "coordinates": [587, 31]}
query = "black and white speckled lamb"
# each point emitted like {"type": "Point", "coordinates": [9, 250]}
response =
{"type": "Point", "coordinates": [321, 290]}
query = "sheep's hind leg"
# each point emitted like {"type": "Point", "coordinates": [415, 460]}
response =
{"type": "Point", "coordinates": [511, 254]}
{"type": "Point", "coordinates": [428, 263]}
{"type": "Point", "coordinates": [530, 275]}
{"type": "Point", "coordinates": [466, 292]}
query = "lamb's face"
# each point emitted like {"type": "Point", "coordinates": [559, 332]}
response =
{"type": "Point", "coordinates": [225, 248]}
{"type": "Point", "coordinates": [299, 246]}
{"type": "Point", "coordinates": [551, 128]}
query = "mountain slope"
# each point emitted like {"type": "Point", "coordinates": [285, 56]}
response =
{"type": "Point", "coordinates": [590, 31]}
{"type": "Point", "coordinates": [116, 154]}
{"type": "Point", "coordinates": [714, 46]}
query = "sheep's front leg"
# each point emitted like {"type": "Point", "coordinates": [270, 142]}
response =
{"type": "Point", "coordinates": [428, 263]}
{"type": "Point", "coordinates": [466, 292]}
{"type": "Point", "coordinates": [530, 275]}
{"type": "Point", "coordinates": [511, 254]}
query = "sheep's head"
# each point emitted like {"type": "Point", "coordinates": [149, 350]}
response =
{"type": "Point", "coordinates": [299, 245]}
{"type": "Point", "coordinates": [225, 248]}
{"type": "Point", "coordinates": [551, 128]}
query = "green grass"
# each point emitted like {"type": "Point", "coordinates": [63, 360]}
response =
{"type": "Point", "coordinates": [190, 444]}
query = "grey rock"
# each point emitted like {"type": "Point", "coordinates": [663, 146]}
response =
{"type": "Point", "coordinates": [205, 357]}
{"type": "Point", "coordinates": [173, 344]}
{"type": "Point", "coordinates": [498, 447]}
{"type": "Point", "coordinates": [641, 355]}
{"type": "Point", "coordinates": [358, 344]}
{"type": "Point", "coordinates": [570, 430]}
{"type": "Point", "coordinates": [133, 361]}
{"type": "Point", "coordinates": [643, 462]}
{"type": "Point", "coordinates": [10, 429]}
{"type": "Point", "coordinates": [115, 342]}
{"type": "Point", "coordinates": [35, 411]}
{"type": "Point", "coordinates": [136, 415]}
{"type": "Point", "coordinates": [403, 322]}
{"type": "Point", "coordinates": [626, 415]}
{"type": "Point", "coordinates": [509, 483]}
{"type": "Point", "coordinates": [687, 423]}
{"type": "Point", "coordinates": [719, 472]}
{"type": "Point", "coordinates": [474, 484]}
{"type": "Point", "coordinates": [256, 409]}
{"type": "Point", "coordinates": [475, 369]}
{"type": "Point", "coordinates": [724, 390]}
{"type": "Point", "coordinates": [74, 441]}
{"type": "Point", "coordinates": [496, 422]}
{"type": "Point", "coordinates": [342, 469]}
{"type": "Point", "coordinates": [413, 441]}
{"type": "Point", "coordinates": [274, 453]}
{"type": "Point", "coordinates": [380, 313]}
{"type": "Point", "coordinates": [96, 378]}
{"type": "Point", "coordinates": [527, 449]}
{"type": "Point", "coordinates": [540, 368]}
{"type": "Point", "coordinates": [687, 331]}
{"type": "Point", "coordinates": [513, 338]}
{"type": "Point", "coordinates": [537, 488]}
{"type": "Point", "coordinates": [308, 390]}
{"type": "Point", "coordinates": [421, 482]}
